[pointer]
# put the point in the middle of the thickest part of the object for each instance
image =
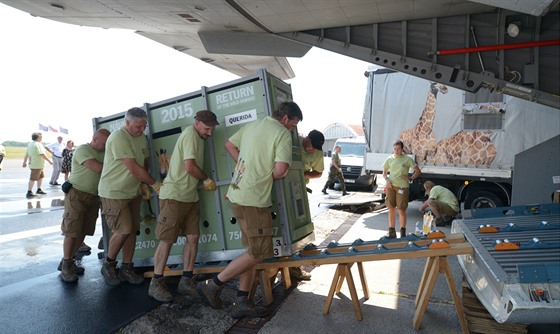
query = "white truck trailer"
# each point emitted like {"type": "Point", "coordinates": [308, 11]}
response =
{"type": "Point", "coordinates": [466, 142]}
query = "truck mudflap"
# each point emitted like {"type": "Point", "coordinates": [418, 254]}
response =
{"type": "Point", "coordinates": [520, 285]}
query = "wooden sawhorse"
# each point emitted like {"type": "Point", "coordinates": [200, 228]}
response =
{"type": "Point", "coordinates": [434, 266]}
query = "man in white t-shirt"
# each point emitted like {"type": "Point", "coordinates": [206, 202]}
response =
{"type": "Point", "coordinates": [56, 150]}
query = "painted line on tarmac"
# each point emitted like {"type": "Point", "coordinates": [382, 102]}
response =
{"type": "Point", "coordinates": [30, 233]}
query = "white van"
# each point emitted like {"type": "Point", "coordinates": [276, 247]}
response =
{"type": "Point", "coordinates": [353, 168]}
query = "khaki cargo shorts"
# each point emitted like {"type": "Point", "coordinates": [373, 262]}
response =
{"type": "Point", "coordinates": [443, 208]}
{"type": "Point", "coordinates": [36, 174]}
{"type": "Point", "coordinates": [256, 229]}
{"type": "Point", "coordinates": [122, 215]}
{"type": "Point", "coordinates": [177, 218]}
{"type": "Point", "coordinates": [397, 198]}
{"type": "Point", "coordinates": [80, 213]}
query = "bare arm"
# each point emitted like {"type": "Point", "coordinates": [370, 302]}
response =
{"type": "Point", "coordinates": [138, 171]}
{"type": "Point", "coordinates": [25, 159]}
{"type": "Point", "coordinates": [44, 156]}
{"type": "Point", "coordinates": [387, 181]}
{"type": "Point", "coordinates": [280, 170]}
{"type": "Point", "coordinates": [416, 173]}
{"type": "Point", "coordinates": [192, 168]}
{"type": "Point", "coordinates": [232, 150]}
{"type": "Point", "coordinates": [94, 165]}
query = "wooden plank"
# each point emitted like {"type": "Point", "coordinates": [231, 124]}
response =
{"type": "Point", "coordinates": [353, 292]}
{"type": "Point", "coordinates": [446, 270]}
{"type": "Point", "coordinates": [334, 283]}
{"type": "Point", "coordinates": [424, 279]}
{"type": "Point", "coordinates": [363, 279]}
{"type": "Point", "coordinates": [480, 321]}
{"type": "Point", "coordinates": [425, 297]}
{"type": "Point", "coordinates": [454, 249]}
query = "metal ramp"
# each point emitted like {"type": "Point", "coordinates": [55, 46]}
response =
{"type": "Point", "coordinates": [515, 269]}
{"type": "Point", "coordinates": [467, 52]}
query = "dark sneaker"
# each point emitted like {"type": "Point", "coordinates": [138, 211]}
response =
{"type": "Point", "coordinates": [158, 290]}
{"type": "Point", "coordinates": [299, 274]}
{"type": "Point", "coordinates": [79, 270]}
{"type": "Point", "coordinates": [391, 234]}
{"type": "Point", "coordinates": [210, 293]}
{"type": "Point", "coordinates": [84, 248]}
{"type": "Point", "coordinates": [243, 307]}
{"type": "Point", "coordinates": [403, 232]}
{"type": "Point", "coordinates": [127, 274]}
{"type": "Point", "coordinates": [109, 272]}
{"type": "Point", "coordinates": [344, 193]}
{"type": "Point", "coordinates": [41, 192]}
{"type": "Point", "coordinates": [29, 194]}
{"type": "Point", "coordinates": [324, 191]}
{"type": "Point", "coordinates": [68, 272]}
{"type": "Point", "coordinates": [55, 183]}
{"type": "Point", "coordinates": [187, 286]}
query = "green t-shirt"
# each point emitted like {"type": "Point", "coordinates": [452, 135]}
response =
{"type": "Point", "coordinates": [117, 182]}
{"type": "Point", "coordinates": [445, 195]}
{"type": "Point", "coordinates": [34, 151]}
{"type": "Point", "coordinates": [261, 143]}
{"type": "Point", "coordinates": [178, 184]}
{"type": "Point", "coordinates": [398, 167]}
{"type": "Point", "coordinates": [83, 178]}
{"type": "Point", "coordinates": [311, 161]}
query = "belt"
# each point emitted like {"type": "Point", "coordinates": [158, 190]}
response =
{"type": "Point", "coordinates": [56, 156]}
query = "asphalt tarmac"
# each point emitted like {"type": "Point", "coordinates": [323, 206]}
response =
{"type": "Point", "coordinates": [33, 298]}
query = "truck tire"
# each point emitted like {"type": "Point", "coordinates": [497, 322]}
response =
{"type": "Point", "coordinates": [482, 199]}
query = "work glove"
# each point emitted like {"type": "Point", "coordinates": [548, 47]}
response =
{"type": "Point", "coordinates": [209, 184]}
{"type": "Point", "coordinates": [145, 191]}
{"type": "Point", "coordinates": [156, 187]}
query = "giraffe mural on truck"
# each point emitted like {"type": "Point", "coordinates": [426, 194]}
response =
{"type": "Point", "coordinates": [421, 140]}
{"type": "Point", "coordinates": [466, 148]}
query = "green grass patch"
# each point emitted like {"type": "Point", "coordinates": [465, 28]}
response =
{"type": "Point", "coordinates": [15, 152]}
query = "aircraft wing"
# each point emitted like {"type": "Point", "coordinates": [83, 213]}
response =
{"type": "Point", "coordinates": [241, 36]}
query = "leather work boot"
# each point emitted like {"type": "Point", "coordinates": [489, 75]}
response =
{"type": "Point", "coordinates": [403, 232]}
{"type": "Point", "coordinates": [109, 272]}
{"type": "Point", "coordinates": [68, 273]}
{"type": "Point", "coordinates": [187, 286]}
{"type": "Point", "coordinates": [79, 270]}
{"type": "Point", "coordinates": [127, 274]}
{"type": "Point", "coordinates": [243, 307]}
{"type": "Point", "coordinates": [158, 290]}
{"type": "Point", "coordinates": [210, 293]}
{"type": "Point", "coordinates": [391, 234]}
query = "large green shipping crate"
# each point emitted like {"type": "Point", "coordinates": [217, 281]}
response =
{"type": "Point", "coordinates": [235, 103]}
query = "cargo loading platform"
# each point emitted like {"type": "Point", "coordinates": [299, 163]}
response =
{"type": "Point", "coordinates": [515, 268]}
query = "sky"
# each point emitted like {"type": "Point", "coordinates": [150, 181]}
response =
{"type": "Point", "coordinates": [65, 75]}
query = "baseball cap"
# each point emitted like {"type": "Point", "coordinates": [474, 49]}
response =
{"type": "Point", "coordinates": [207, 117]}
{"type": "Point", "coordinates": [317, 139]}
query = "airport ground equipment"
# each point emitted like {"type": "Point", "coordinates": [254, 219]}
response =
{"type": "Point", "coordinates": [235, 103]}
{"type": "Point", "coordinates": [515, 268]}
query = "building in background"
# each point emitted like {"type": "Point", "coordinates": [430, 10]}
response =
{"type": "Point", "coordinates": [339, 130]}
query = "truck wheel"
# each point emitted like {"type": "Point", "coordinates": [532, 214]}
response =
{"type": "Point", "coordinates": [482, 199]}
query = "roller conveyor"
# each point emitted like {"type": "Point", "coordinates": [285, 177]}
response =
{"type": "Point", "coordinates": [515, 269]}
